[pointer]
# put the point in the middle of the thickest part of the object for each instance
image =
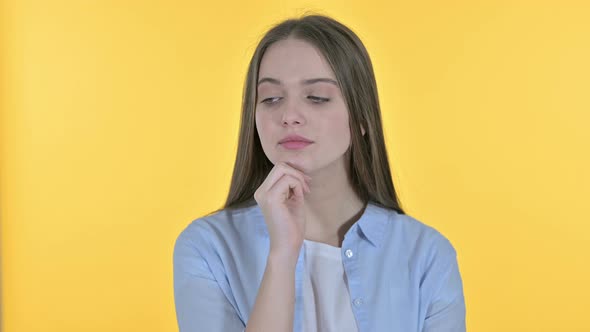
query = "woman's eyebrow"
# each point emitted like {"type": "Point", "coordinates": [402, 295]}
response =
{"type": "Point", "coordinates": [303, 82]}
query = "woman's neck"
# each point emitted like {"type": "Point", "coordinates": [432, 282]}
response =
{"type": "Point", "coordinates": [331, 207]}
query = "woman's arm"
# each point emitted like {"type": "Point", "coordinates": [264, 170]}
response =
{"type": "Point", "coordinates": [275, 302]}
{"type": "Point", "coordinates": [443, 284]}
{"type": "Point", "coordinates": [281, 198]}
{"type": "Point", "coordinates": [201, 304]}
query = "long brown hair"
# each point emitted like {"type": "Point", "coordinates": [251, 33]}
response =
{"type": "Point", "coordinates": [368, 163]}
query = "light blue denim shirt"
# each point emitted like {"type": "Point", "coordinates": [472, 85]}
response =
{"type": "Point", "coordinates": [402, 274]}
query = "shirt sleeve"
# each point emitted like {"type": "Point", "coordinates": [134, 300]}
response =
{"type": "Point", "coordinates": [201, 305]}
{"type": "Point", "coordinates": [446, 309]}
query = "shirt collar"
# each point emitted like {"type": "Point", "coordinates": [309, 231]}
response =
{"type": "Point", "coordinates": [371, 223]}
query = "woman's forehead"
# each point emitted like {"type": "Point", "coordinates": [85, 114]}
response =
{"type": "Point", "coordinates": [294, 60]}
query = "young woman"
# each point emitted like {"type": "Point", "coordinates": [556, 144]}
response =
{"type": "Point", "coordinates": [312, 236]}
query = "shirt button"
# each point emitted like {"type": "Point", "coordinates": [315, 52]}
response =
{"type": "Point", "coordinates": [348, 253]}
{"type": "Point", "coordinates": [357, 302]}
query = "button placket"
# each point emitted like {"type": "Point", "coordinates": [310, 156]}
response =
{"type": "Point", "coordinates": [357, 302]}
{"type": "Point", "coordinates": [350, 256]}
{"type": "Point", "coordinates": [348, 253]}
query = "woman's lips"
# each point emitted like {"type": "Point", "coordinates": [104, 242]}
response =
{"type": "Point", "coordinates": [295, 145]}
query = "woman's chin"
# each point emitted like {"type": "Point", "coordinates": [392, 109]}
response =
{"type": "Point", "coordinates": [296, 163]}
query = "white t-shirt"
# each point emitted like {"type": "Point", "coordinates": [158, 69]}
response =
{"type": "Point", "coordinates": [326, 302]}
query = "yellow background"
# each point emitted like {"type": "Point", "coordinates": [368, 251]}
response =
{"type": "Point", "coordinates": [119, 126]}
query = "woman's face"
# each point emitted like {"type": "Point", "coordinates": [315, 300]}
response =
{"type": "Point", "coordinates": [298, 95]}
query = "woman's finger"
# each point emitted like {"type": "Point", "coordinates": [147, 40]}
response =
{"type": "Point", "coordinates": [282, 188]}
{"type": "Point", "coordinates": [279, 170]}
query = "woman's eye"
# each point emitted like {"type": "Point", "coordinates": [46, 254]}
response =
{"type": "Point", "coordinates": [318, 100]}
{"type": "Point", "coordinates": [270, 100]}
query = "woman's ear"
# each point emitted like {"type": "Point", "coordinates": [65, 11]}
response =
{"type": "Point", "coordinates": [362, 130]}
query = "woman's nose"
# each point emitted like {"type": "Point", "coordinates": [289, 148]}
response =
{"type": "Point", "coordinates": [287, 122]}
{"type": "Point", "coordinates": [292, 114]}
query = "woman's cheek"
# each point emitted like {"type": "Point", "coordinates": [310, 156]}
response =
{"type": "Point", "coordinates": [264, 129]}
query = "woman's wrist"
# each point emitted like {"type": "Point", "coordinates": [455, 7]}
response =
{"type": "Point", "coordinates": [283, 259]}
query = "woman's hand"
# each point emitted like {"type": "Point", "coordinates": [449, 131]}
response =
{"type": "Point", "coordinates": [281, 199]}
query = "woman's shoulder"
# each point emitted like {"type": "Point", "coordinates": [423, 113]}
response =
{"type": "Point", "coordinates": [223, 226]}
{"type": "Point", "coordinates": [416, 234]}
